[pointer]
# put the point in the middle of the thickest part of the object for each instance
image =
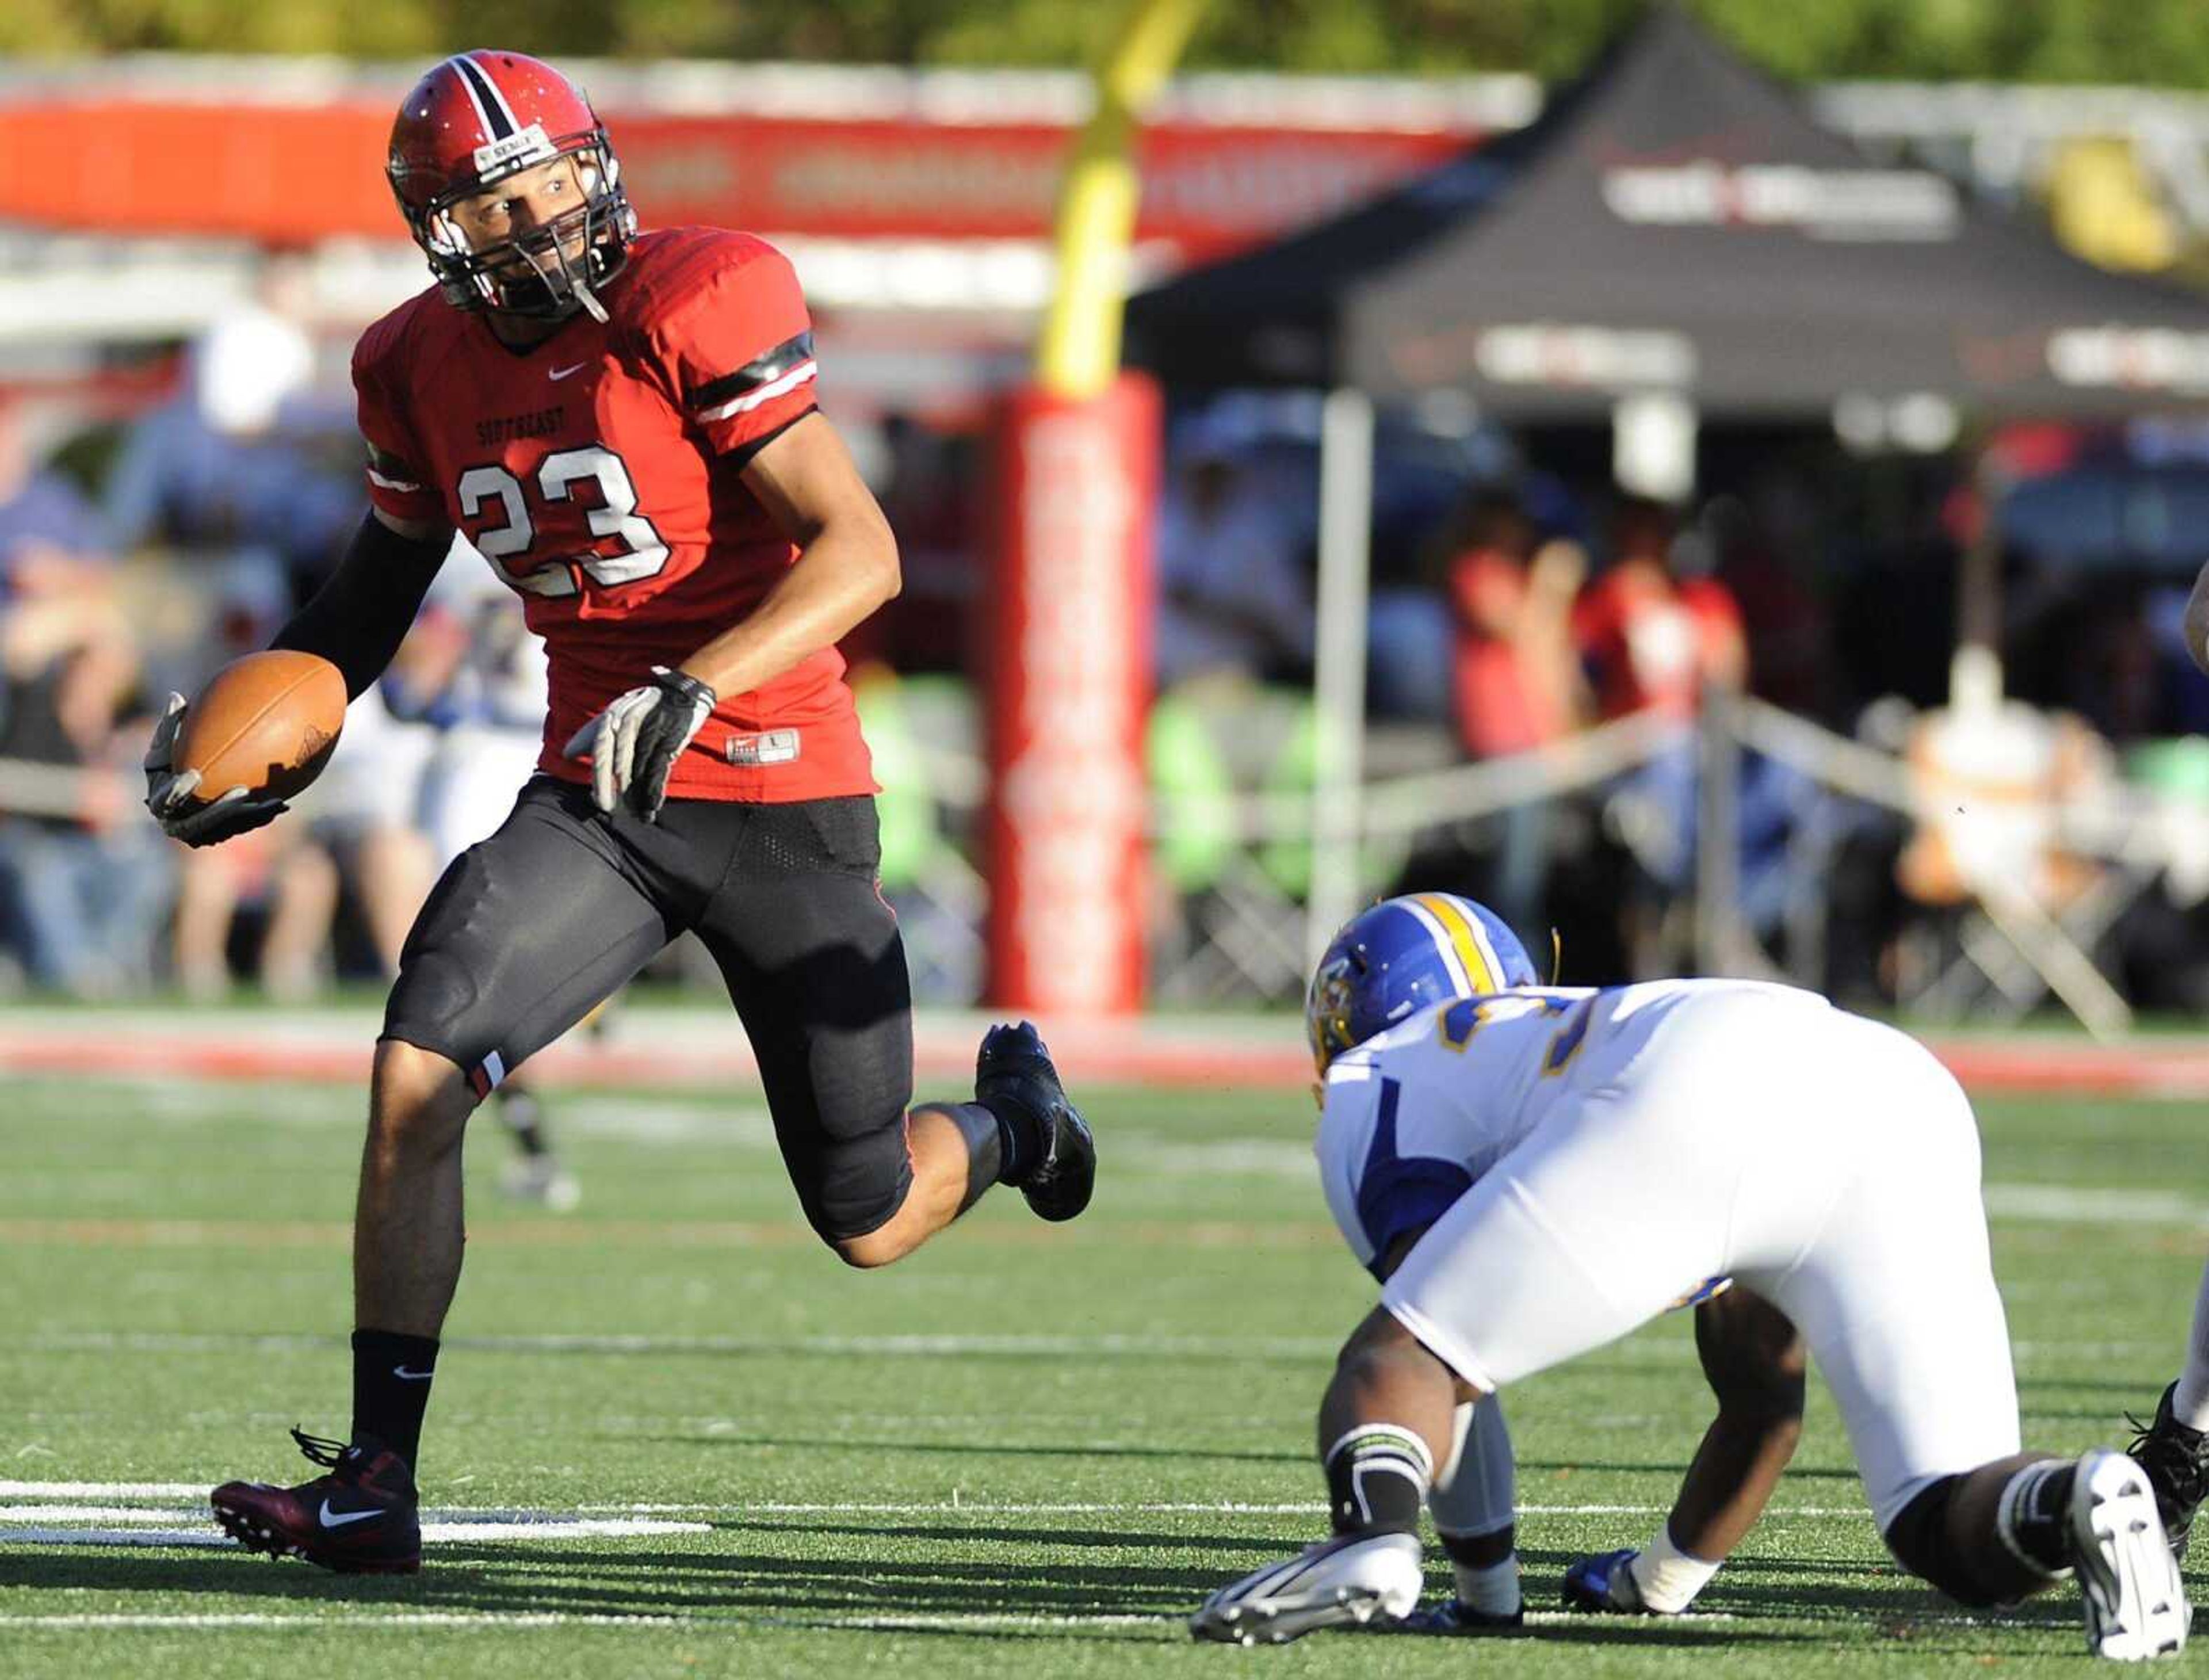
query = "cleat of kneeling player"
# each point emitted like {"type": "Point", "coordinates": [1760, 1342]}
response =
{"type": "Point", "coordinates": [1350, 1580]}
{"type": "Point", "coordinates": [1604, 1585]}
{"type": "Point", "coordinates": [1049, 1151]}
{"type": "Point", "coordinates": [360, 1518]}
{"type": "Point", "coordinates": [2135, 1601]}
{"type": "Point", "coordinates": [1453, 1618]}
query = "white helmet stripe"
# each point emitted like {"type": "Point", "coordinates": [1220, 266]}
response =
{"type": "Point", "coordinates": [1489, 954]}
{"type": "Point", "coordinates": [459, 65]}
{"type": "Point", "coordinates": [1460, 981]}
{"type": "Point", "coordinates": [497, 116]}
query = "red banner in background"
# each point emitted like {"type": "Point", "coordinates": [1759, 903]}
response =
{"type": "Point", "coordinates": [288, 174]}
{"type": "Point", "coordinates": [1069, 690]}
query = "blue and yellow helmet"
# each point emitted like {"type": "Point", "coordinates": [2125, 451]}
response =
{"type": "Point", "coordinates": [1402, 955]}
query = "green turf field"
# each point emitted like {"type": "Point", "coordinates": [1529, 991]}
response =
{"type": "Point", "coordinates": [1028, 1451]}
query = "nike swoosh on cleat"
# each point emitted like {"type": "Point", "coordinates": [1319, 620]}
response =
{"type": "Point", "coordinates": [561, 373]}
{"type": "Point", "coordinates": [339, 1519]}
{"type": "Point", "coordinates": [407, 1375]}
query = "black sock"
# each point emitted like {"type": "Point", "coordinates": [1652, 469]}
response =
{"type": "Point", "coordinates": [984, 1137]}
{"type": "Point", "coordinates": [524, 1115]}
{"type": "Point", "coordinates": [391, 1388]}
{"type": "Point", "coordinates": [2034, 1514]}
{"type": "Point", "coordinates": [1376, 1480]}
{"type": "Point", "coordinates": [1020, 1139]}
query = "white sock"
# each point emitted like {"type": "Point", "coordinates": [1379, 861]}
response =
{"type": "Point", "coordinates": [1667, 1577]}
{"type": "Point", "coordinates": [1493, 1591]}
{"type": "Point", "coordinates": [2190, 1405]}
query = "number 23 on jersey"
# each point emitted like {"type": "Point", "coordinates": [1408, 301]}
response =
{"type": "Point", "coordinates": [593, 479]}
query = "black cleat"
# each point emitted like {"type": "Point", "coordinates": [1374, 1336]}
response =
{"type": "Point", "coordinates": [2176, 1460]}
{"type": "Point", "coordinates": [1014, 1071]}
{"type": "Point", "coordinates": [359, 1519]}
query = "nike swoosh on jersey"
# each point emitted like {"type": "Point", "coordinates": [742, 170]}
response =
{"type": "Point", "coordinates": [407, 1375]}
{"type": "Point", "coordinates": [561, 373]}
{"type": "Point", "coordinates": [339, 1519]}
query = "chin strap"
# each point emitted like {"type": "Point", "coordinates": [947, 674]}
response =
{"type": "Point", "coordinates": [589, 299]}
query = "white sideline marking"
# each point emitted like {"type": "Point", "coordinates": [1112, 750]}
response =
{"type": "Point", "coordinates": [465, 1522]}
{"type": "Point", "coordinates": [527, 1527]}
{"type": "Point", "coordinates": [886, 1622]}
{"type": "Point", "coordinates": [2063, 1204]}
{"type": "Point", "coordinates": [906, 1346]}
{"type": "Point", "coordinates": [403, 1618]}
{"type": "Point", "coordinates": [1655, 1351]}
{"type": "Point", "coordinates": [1301, 1508]}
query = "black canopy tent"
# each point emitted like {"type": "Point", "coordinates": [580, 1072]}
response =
{"type": "Point", "coordinates": [1675, 236]}
{"type": "Point", "coordinates": [1676, 220]}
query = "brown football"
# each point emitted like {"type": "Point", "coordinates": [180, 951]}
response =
{"type": "Point", "coordinates": [266, 723]}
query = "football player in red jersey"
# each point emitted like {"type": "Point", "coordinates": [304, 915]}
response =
{"type": "Point", "coordinates": [623, 425]}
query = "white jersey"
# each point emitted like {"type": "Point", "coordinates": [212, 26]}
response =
{"type": "Point", "coordinates": [1583, 1160]}
{"type": "Point", "coordinates": [1415, 1118]}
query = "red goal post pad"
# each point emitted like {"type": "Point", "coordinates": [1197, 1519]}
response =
{"type": "Point", "coordinates": [1068, 611]}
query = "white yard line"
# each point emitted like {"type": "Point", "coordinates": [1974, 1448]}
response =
{"type": "Point", "coordinates": [532, 1528]}
{"type": "Point", "coordinates": [461, 1522]}
{"type": "Point", "coordinates": [2068, 1204]}
{"type": "Point", "coordinates": [897, 1347]}
{"type": "Point", "coordinates": [888, 1620]}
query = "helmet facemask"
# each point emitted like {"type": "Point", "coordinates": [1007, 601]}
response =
{"type": "Point", "coordinates": [548, 272]}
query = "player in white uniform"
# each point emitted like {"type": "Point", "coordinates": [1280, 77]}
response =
{"type": "Point", "coordinates": [1536, 1172]}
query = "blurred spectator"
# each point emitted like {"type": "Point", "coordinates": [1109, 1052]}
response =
{"type": "Point", "coordinates": [1516, 684]}
{"type": "Point", "coordinates": [43, 515]}
{"type": "Point", "coordinates": [365, 814]}
{"type": "Point", "coordinates": [1653, 639]}
{"type": "Point", "coordinates": [81, 892]}
{"type": "Point", "coordinates": [1656, 635]}
{"type": "Point", "coordinates": [1234, 592]}
{"type": "Point", "coordinates": [280, 872]}
{"type": "Point", "coordinates": [230, 473]}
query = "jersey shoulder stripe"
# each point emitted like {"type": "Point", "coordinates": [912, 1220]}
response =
{"type": "Point", "coordinates": [769, 373]}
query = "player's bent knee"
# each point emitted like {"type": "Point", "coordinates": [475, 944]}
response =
{"type": "Point", "coordinates": [882, 1242]}
{"type": "Point", "coordinates": [419, 1101]}
{"type": "Point", "coordinates": [1920, 1540]}
{"type": "Point", "coordinates": [871, 1252]}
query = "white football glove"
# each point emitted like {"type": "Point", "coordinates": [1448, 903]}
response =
{"type": "Point", "coordinates": [1351, 1579]}
{"type": "Point", "coordinates": [633, 744]}
{"type": "Point", "coordinates": [169, 795]}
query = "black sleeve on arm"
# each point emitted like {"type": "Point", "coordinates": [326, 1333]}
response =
{"type": "Point", "coordinates": [359, 616]}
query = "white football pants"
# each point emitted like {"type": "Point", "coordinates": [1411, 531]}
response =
{"type": "Point", "coordinates": [1825, 1161]}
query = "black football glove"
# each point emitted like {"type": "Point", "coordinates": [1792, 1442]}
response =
{"type": "Point", "coordinates": [633, 744]}
{"type": "Point", "coordinates": [169, 795]}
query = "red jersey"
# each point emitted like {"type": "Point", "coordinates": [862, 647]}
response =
{"type": "Point", "coordinates": [1652, 642]}
{"type": "Point", "coordinates": [600, 472]}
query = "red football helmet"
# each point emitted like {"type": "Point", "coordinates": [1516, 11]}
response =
{"type": "Point", "coordinates": [473, 120]}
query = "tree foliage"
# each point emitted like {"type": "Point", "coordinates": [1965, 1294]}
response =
{"type": "Point", "coordinates": [2147, 42]}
